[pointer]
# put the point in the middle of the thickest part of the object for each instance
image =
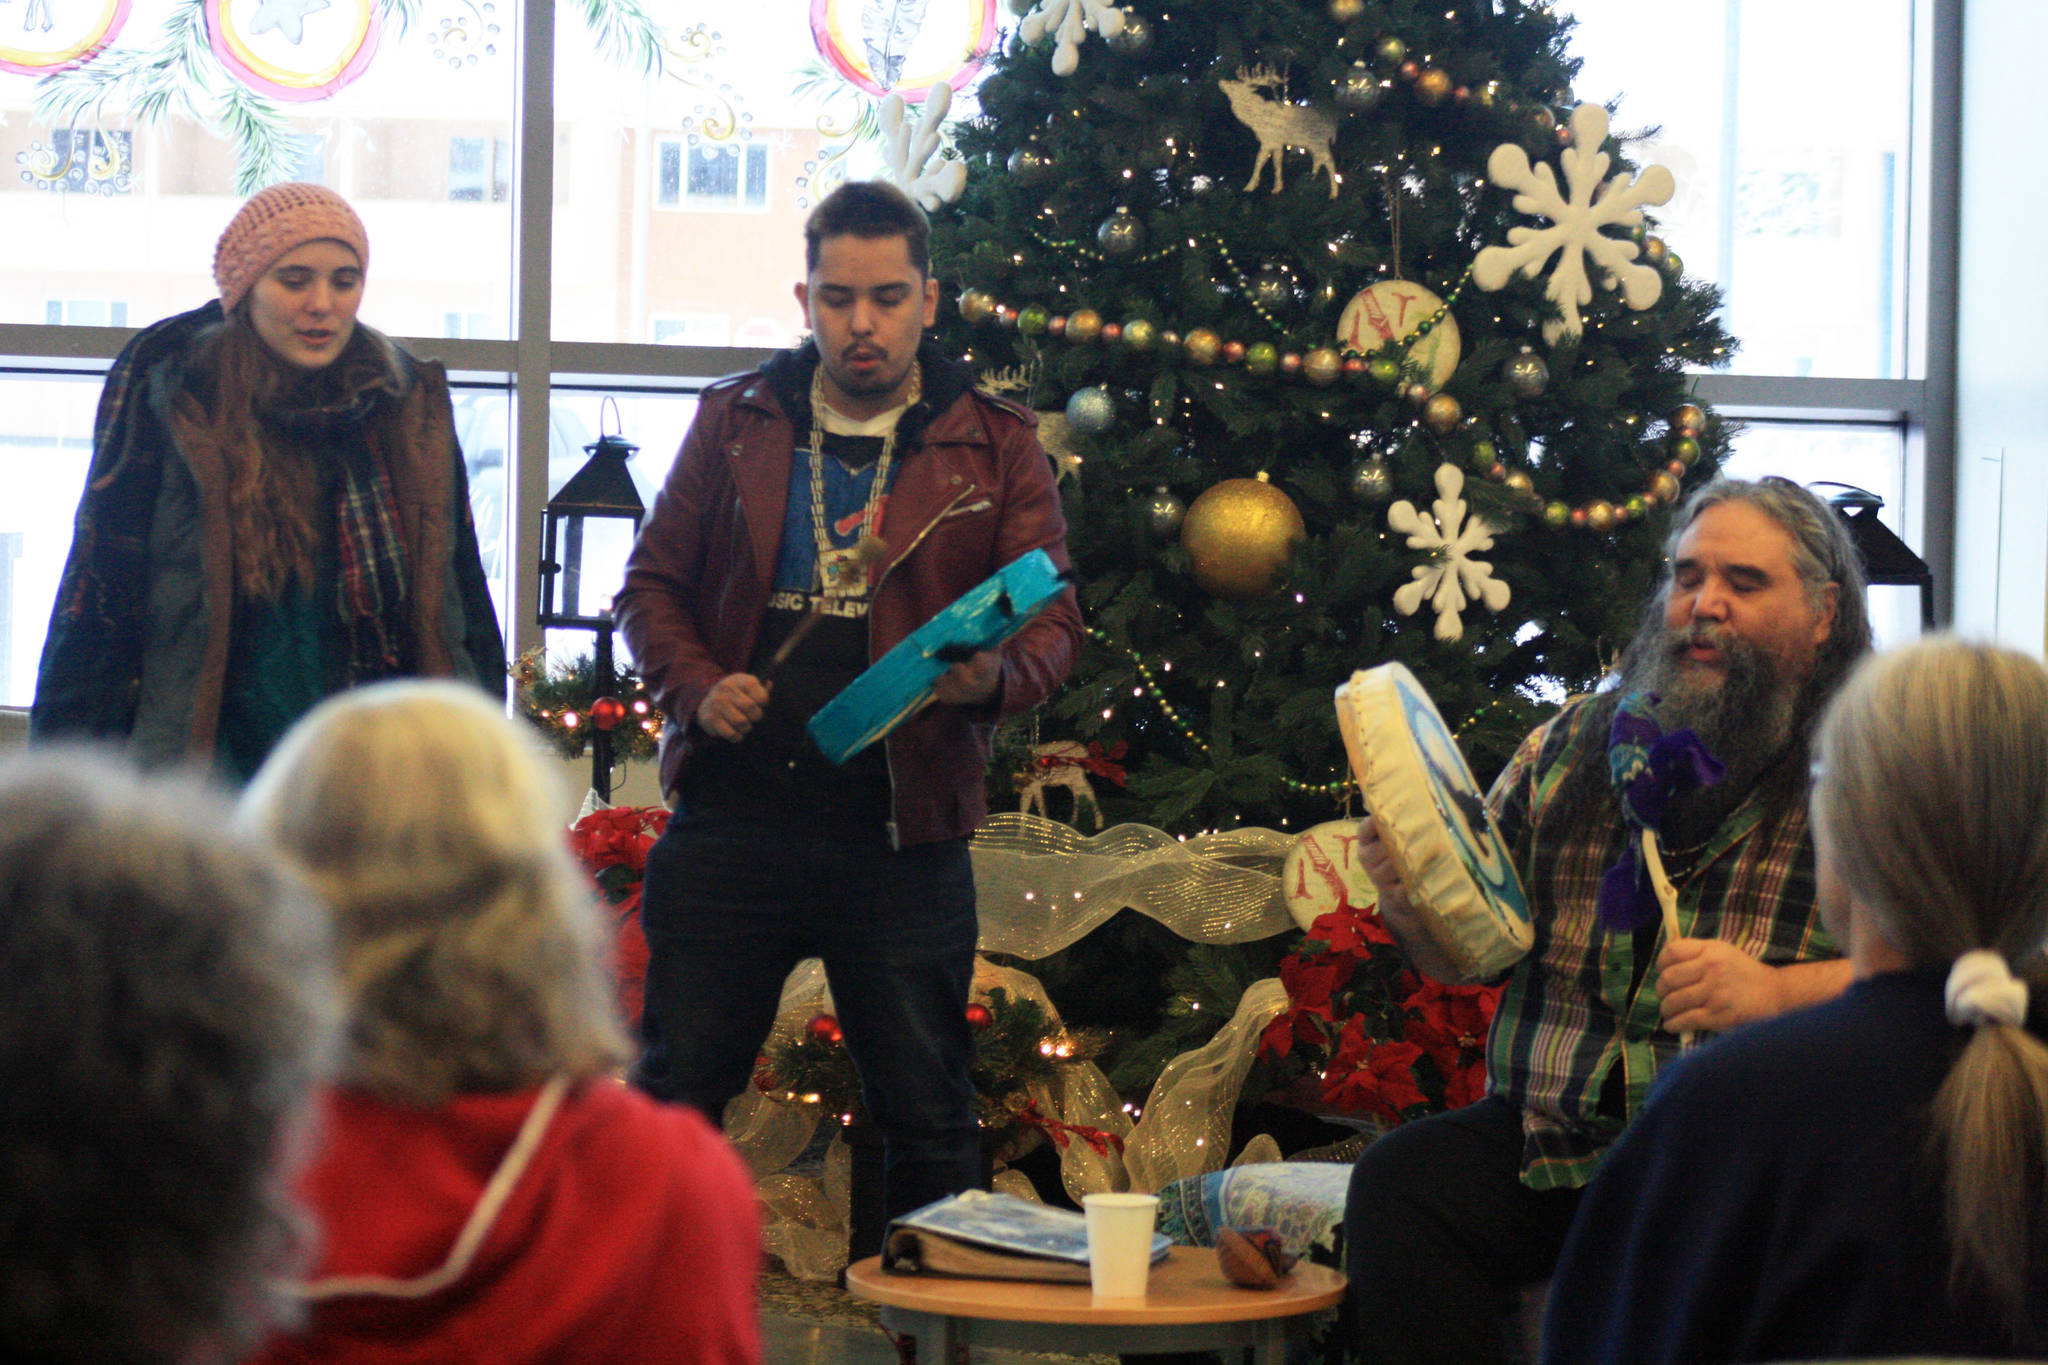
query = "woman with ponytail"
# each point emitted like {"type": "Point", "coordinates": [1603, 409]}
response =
{"type": "Point", "coordinates": [1868, 1177]}
{"type": "Point", "coordinates": [276, 510]}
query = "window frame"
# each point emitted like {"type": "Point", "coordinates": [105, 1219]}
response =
{"type": "Point", "coordinates": [531, 363]}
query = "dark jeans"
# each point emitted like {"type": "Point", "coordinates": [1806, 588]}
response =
{"type": "Point", "coordinates": [732, 904]}
{"type": "Point", "coordinates": [1439, 1230]}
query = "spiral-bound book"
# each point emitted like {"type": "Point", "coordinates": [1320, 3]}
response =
{"type": "Point", "coordinates": [994, 1237]}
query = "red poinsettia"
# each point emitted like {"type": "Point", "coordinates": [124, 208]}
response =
{"type": "Point", "coordinates": [1450, 1024]}
{"type": "Point", "coordinates": [613, 845]}
{"type": "Point", "coordinates": [1379, 1040]}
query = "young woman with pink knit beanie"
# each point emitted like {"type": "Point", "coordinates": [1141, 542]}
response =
{"type": "Point", "coordinates": [276, 510]}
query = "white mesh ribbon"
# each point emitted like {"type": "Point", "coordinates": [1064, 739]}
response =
{"type": "Point", "coordinates": [1185, 1126]}
{"type": "Point", "coordinates": [1040, 885]}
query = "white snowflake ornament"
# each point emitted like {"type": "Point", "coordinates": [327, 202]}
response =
{"type": "Point", "coordinates": [1452, 578]}
{"type": "Point", "coordinates": [908, 148]}
{"type": "Point", "coordinates": [1575, 224]}
{"type": "Point", "coordinates": [1070, 21]}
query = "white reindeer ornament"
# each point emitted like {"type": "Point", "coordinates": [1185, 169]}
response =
{"type": "Point", "coordinates": [1059, 764]}
{"type": "Point", "coordinates": [1280, 125]}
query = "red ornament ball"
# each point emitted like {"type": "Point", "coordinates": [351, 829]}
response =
{"type": "Point", "coordinates": [607, 712]}
{"type": "Point", "coordinates": [824, 1028]}
{"type": "Point", "coordinates": [979, 1016]}
{"type": "Point", "coordinates": [1233, 352]}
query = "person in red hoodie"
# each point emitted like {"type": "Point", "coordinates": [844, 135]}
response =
{"type": "Point", "coordinates": [487, 1189]}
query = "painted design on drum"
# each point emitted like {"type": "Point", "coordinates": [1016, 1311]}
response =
{"type": "Point", "coordinates": [1465, 816]}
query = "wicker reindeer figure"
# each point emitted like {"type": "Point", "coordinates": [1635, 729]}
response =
{"type": "Point", "coordinates": [1257, 98]}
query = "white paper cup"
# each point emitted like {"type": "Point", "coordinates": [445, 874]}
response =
{"type": "Point", "coordinates": [1120, 1243]}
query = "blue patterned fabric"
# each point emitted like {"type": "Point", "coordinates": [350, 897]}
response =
{"type": "Point", "coordinates": [1300, 1202]}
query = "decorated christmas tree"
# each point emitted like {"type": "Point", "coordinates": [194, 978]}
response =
{"type": "Point", "coordinates": [1355, 343]}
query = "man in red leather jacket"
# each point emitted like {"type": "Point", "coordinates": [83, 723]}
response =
{"type": "Point", "coordinates": [861, 480]}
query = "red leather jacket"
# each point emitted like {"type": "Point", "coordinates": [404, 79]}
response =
{"type": "Point", "coordinates": [975, 493]}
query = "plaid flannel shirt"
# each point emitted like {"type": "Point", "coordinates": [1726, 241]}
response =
{"type": "Point", "coordinates": [1573, 1011]}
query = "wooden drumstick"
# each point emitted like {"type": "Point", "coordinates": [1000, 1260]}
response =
{"type": "Point", "coordinates": [868, 551]}
{"type": "Point", "coordinates": [1667, 900]}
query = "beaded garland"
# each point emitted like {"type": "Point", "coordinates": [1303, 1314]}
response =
{"type": "Point", "coordinates": [1339, 790]}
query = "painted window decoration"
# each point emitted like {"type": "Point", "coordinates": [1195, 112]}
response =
{"type": "Point", "coordinates": [80, 161]}
{"type": "Point", "coordinates": [877, 74]}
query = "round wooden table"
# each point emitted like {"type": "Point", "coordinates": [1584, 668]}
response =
{"type": "Point", "coordinates": [1188, 1306]}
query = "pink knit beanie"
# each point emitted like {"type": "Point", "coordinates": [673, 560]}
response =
{"type": "Point", "coordinates": [276, 221]}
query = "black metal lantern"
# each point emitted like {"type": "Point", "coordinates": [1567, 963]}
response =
{"type": "Point", "coordinates": [599, 496]}
{"type": "Point", "coordinates": [1887, 560]}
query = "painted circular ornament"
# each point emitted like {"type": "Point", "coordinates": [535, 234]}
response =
{"type": "Point", "coordinates": [294, 50]}
{"type": "Point", "coordinates": [948, 49]}
{"type": "Point", "coordinates": [61, 41]}
{"type": "Point", "coordinates": [1322, 872]}
{"type": "Point", "coordinates": [1394, 311]}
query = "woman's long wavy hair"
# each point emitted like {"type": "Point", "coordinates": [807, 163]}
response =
{"type": "Point", "coordinates": [273, 488]}
{"type": "Point", "coordinates": [471, 948]}
{"type": "Point", "coordinates": [1932, 802]}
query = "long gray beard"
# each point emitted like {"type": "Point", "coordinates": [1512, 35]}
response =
{"type": "Point", "coordinates": [1745, 720]}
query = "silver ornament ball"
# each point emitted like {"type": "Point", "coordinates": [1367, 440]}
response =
{"type": "Point", "coordinates": [1526, 374]}
{"type": "Point", "coordinates": [1371, 481]}
{"type": "Point", "coordinates": [1272, 287]}
{"type": "Point", "coordinates": [1120, 234]}
{"type": "Point", "coordinates": [1164, 513]}
{"type": "Point", "coordinates": [1030, 165]}
{"type": "Point", "coordinates": [1359, 88]}
{"type": "Point", "coordinates": [1135, 38]}
{"type": "Point", "coordinates": [1091, 411]}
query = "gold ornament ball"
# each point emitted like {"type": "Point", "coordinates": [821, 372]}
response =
{"type": "Point", "coordinates": [977, 306]}
{"type": "Point", "coordinates": [1238, 535]}
{"type": "Point", "coordinates": [1663, 487]}
{"type": "Point", "coordinates": [1654, 250]}
{"type": "Point", "coordinates": [1442, 413]}
{"type": "Point", "coordinates": [1344, 11]}
{"type": "Point", "coordinates": [1556, 515]}
{"type": "Point", "coordinates": [1685, 450]}
{"type": "Point", "coordinates": [1084, 325]}
{"type": "Point", "coordinates": [1391, 51]}
{"type": "Point", "coordinates": [1202, 345]}
{"type": "Point", "coordinates": [1521, 483]}
{"type": "Point", "coordinates": [1322, 366]}
{"type": "Point", "coordinates": [1600, 515]}
{"type": "Point", "coordinates": [1418, 394]}
{"type": "Point", "coordinates": [1689, 418]}
{"type": "Point", "coordinates": [1673, 265]}
{"type": "Point", "coordinates": [1433, 86]}
{"type": "Point", "coordinates": [1140, 334]}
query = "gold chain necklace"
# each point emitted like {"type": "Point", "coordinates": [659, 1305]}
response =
{"type": "Point", "coordinates": [844, 573]}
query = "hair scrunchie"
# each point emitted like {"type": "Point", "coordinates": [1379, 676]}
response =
{"type": "Point", "coordinates": [1983, 990]}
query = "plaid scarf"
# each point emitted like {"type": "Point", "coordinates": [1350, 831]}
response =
{"type": "Point", "coordinates": [371, 579]}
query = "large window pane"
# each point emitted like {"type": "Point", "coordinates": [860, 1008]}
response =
{"type": "Point", "coordinates": [1872, 458]}
{"type": "Point", "coordinates": [45, 445]}
{"type": "Point", "coordinates": [682, 220]}
{"type": "Point", "coordinates": [123, 213]}
{"type": "Point", "coordinates": [1792, 185]}
{"type": "Point", "coordinates": [656, 423]}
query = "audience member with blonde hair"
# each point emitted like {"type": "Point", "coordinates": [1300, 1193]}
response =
{"type": "Point", "coordinates": [488, 1190]}
{"type": "Point", "coordinates": [1870, 1176]}
{"type": "Point", "coordinates": [166, 1008]}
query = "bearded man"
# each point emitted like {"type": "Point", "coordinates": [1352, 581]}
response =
{"type": "Point", "coordinates": [1760, 616]}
